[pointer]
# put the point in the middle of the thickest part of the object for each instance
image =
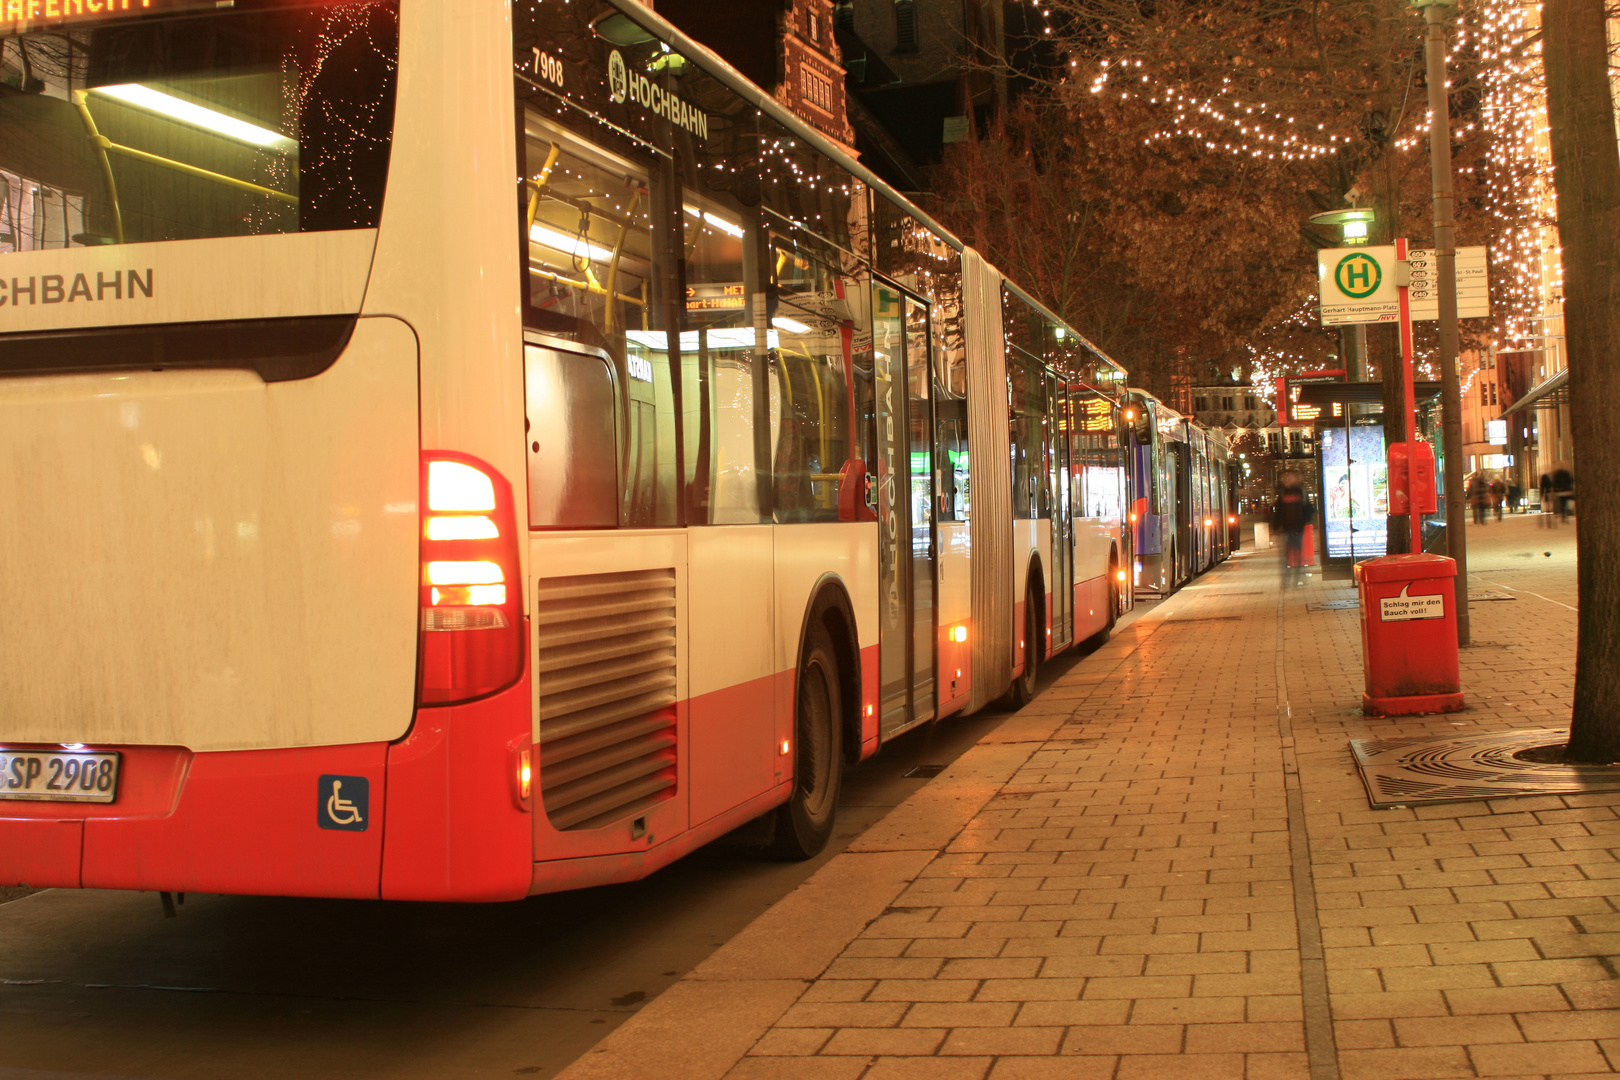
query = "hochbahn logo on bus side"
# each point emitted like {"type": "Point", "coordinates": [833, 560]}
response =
{"type": "Point", "coordinates": [626, 85]}
{"type": "Point", "coordinates": [60, 289]}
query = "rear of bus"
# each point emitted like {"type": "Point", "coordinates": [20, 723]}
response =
{"type": "Point", "coordinates": [255, 610]}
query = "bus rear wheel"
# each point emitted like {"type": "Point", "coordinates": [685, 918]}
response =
{"type": "Point", "coordinates": [804, 823]}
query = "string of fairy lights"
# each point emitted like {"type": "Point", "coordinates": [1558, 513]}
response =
{"type": "Point", "coordinates": [1254, 129]}
{"type": "Point", "coordinates": [1517, 173]}
{"type": "Point", "coordinates": [1493, 42]}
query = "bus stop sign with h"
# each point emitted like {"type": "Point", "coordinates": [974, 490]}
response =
{"type": "Point", "coordinates": [1408, 616]}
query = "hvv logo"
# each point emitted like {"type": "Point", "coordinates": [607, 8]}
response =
{"type": "Point", "coordinates": [344, 803]}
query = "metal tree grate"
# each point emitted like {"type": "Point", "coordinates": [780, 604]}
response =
{"type": "Point", "coordinates": [1457, 768]}
{"type": "Point", "coordinates": [1333, 605]}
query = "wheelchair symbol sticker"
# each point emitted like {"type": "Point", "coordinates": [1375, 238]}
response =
{"type": "Point", "coordinates": [345, 803]}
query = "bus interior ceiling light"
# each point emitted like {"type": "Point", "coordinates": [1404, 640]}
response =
{"type": "Point", "coordinates": [717, 221]}
{"type": "Point", "coordinates": [568, 245]}
{"type": "Point", "coordinates": [792, 326]}
{"type": "Point", "coordinates": [719, 337]}
{"type": "Point", "coordinates": [144, 97]}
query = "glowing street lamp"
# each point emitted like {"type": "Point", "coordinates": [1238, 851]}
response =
{"type": "Point", "coordinates": [1354, 225]}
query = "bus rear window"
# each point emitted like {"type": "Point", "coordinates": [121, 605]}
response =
{"type": "Point", "coordinates": [267, 117]}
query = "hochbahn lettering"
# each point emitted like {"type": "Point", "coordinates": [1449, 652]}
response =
{"type": "Point", "coordinates": [626, 85]}
{"type": "Point", "coordinates": [57, 289]}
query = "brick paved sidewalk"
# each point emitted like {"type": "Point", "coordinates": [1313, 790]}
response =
{"type": "Point", "coordinates": [1166, 867]}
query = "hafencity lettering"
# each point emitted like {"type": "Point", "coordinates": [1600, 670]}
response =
{"type": "Point", "coordinates": [21, 14]}
{"type": "Point", "coordinates": [624, 84]}
{"type": "Point", "coordinates": [57, 289]}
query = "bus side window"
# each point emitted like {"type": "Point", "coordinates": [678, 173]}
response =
{"type": "Point", "coordinates": [952, 466]}
{"type": "Point", "coordinates": [573, 419]}
{"type": "Point", "coordinates": [1027, 431]}
{"type": "Point", "coordinates": [815, 325]}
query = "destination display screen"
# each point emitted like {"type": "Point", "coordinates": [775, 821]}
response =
{"type": "Point", "coordinates": [1290, 408]}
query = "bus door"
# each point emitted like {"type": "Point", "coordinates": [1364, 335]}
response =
{"type": "Point", "coordinates": [1062, 619]}
{"type": "Point", "coordinates": [1180, 512]}
{"type": "Point", "coordinates": [906, 500]}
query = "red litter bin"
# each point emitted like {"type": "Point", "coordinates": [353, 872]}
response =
{"type": "Point", "coordinates": [1409, 635]}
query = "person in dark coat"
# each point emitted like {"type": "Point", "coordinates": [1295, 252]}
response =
{"type": "Point", "coordinates": [1564, 491]}
{"type": "Point", "coordinates": [1289, 516]}
{"type": "Point", "coordinates": [1547, 518]}
{"type": "Point", "coordinates": [1479, 497]}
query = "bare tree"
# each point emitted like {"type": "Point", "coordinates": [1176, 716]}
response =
{"type": "Point", "coordinates": [1586, 173]}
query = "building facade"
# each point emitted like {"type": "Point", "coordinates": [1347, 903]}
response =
{"type": "Point", "coordinates": [789, 47]}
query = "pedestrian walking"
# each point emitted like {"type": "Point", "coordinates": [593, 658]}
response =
{"type": "Point", "coordinates": [1546, 495]}
{"type": "Point", "coordinates": [1498, 492]}
{"type": "Point", "coordinates": [1515, 497]}
{"type": "Point", "coordinates": [1291, 513]}
{"type": "Point", "coordinates": [1478, 496]}
{"type": "Point", "coordinates": [1564, 491]}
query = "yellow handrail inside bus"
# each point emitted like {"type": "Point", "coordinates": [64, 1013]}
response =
{"type": "Point", "coordinates": [104, 146]}
{"type": "Point", "coordinates": [204, 174]}
{"type": "Point", "coordinates": [540, 181]}
{"type": "Point", "coordinates": [82, 104]}
{"type": "Point", "coordinates": [584, 286]}
{"type": "Point", "coordinates": [613, 266]}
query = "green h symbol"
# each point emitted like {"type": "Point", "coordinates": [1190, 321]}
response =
{"type": "Point", "coordinates": [1358, 276]}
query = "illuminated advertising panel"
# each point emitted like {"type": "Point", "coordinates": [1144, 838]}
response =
{"type": "Point", "coordinates": [1355, 490]}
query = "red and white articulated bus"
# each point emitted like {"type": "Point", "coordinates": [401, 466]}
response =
{"type": "Point", "coordinates": [462, 449]}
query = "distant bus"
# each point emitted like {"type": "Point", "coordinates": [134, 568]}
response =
{"type": "Point", "coordinates": [1182, 518]}
{"type": "Point", "coordinates": [453, 450]}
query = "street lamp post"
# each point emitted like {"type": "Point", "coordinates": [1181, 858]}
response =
{"type": "Point", "coordinates": [1445, 255]}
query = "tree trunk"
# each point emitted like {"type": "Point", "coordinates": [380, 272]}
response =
{"type": "Point", "coordinates": [1586, 175]}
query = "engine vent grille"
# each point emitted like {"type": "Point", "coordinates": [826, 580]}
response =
{"type": "Point", "coordinates": [606, 670]}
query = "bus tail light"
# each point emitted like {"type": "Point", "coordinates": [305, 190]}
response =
{"type": "Point", "coordinates": [472, 630]}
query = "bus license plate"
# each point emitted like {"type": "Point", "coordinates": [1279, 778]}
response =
{"type": "Point", "coordinates": [58, 775]}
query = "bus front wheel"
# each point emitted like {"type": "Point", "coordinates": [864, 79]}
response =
{"type": "Point", "coordinates": [804, 823]}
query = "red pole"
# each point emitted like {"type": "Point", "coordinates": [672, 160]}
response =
{"type": "Point", "coordinates": [1411, 403]}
